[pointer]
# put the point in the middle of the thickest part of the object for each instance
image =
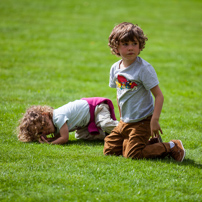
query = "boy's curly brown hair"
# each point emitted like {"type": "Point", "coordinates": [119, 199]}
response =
{"type": "Point", "coordinates": [31, 125]}
{"type": "Point", "coordinates": [125, 32]}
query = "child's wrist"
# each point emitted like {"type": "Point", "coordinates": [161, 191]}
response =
{"type": "Point", "coordinates": [155, 118]}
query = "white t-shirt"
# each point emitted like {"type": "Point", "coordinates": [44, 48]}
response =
{"type": "Point", "coordinates": [133, 86]}
{"type": "Point", "coordinates": [76, 114]}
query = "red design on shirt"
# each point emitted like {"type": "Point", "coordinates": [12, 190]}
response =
{"type": "Point", "coordinates": [124, 83]}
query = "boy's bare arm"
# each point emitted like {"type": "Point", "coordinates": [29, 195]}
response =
{"type": "Point", "coordinates": [62, 139]}
{"type": "Point", "coordinates": [155, 126]}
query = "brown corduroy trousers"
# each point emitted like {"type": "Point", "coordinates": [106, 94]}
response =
{"type": "Point", "coordinates": [130, 140]}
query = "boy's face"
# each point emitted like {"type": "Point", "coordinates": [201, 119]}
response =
{"type": "Point", "coordinates": [129, 50]}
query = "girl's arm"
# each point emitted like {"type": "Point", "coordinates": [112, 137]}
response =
{"type": "Point", "coordinates": [62, 139]}
{"type": "Point", "coordinates": [155, 126]}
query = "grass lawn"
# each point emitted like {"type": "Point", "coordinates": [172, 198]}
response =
{"type": "Point", "coordinates": [53, 52]}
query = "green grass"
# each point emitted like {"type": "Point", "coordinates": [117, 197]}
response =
{"type": "Point", "coordinates": [53, 52]}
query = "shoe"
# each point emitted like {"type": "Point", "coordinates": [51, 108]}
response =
{"type": "Point", "coordinates": [154, 140]}
{"type": "Point", "coordinates": [178, 151]}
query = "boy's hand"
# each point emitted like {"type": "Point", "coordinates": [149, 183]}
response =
{"type": "Point", "coordinates": [155, 128]}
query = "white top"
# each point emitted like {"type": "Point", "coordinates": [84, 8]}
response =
{"type": "Point", "coordinates": [76, 114]}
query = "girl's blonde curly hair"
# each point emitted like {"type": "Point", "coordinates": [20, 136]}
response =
{"type": "Point", "coordinates": [125, 32]}
{"type": "Point", "coordinates": [31, 125]}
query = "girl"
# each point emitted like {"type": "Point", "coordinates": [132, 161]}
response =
{"type": "Point", "coordinates": [91, 118]}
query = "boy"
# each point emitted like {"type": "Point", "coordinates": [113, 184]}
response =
{"type": "Point", "coordinates": [92, 118]}
{"type": "Point", "coordinates": [136, 81]}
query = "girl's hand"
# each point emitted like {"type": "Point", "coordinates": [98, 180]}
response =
{"type": "Point", "coordinates": [45, 139]}
{"type": "Point", "coordinates": [42, 139]}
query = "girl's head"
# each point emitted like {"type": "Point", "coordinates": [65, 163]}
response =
{"type": "Point", "coordinates": [32, 124]}
{"type": "Point", "coordinates": [125, 32]}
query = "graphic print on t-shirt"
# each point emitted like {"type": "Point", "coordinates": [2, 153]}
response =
{"type": "Point", "coordinates": [123, 83]}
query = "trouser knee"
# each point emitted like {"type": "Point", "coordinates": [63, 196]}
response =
{"type": "Point", "coordinates": [134, 152]}
{"type": "Point", "coordinates": [134, 155]}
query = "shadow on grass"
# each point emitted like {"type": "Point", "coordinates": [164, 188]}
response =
{"type": "Point", "coordinates": [186, 161]}
{"type": "Point", "coordinates": [85, 142]}
{"type": "Point", "coordinates": [74, 142]}
{"type": "Point", "coordinates": [190, 162]}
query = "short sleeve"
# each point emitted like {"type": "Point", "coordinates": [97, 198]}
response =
{"type": "Point", "coordinates": [149, 77]}
{"type": "Point", "coordinates": [112, 79]}
{"type": "Point", "coordinates": [59, 120]}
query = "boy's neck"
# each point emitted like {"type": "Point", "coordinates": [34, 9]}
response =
{"type": "Point", "coordinates": [126, 63]}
